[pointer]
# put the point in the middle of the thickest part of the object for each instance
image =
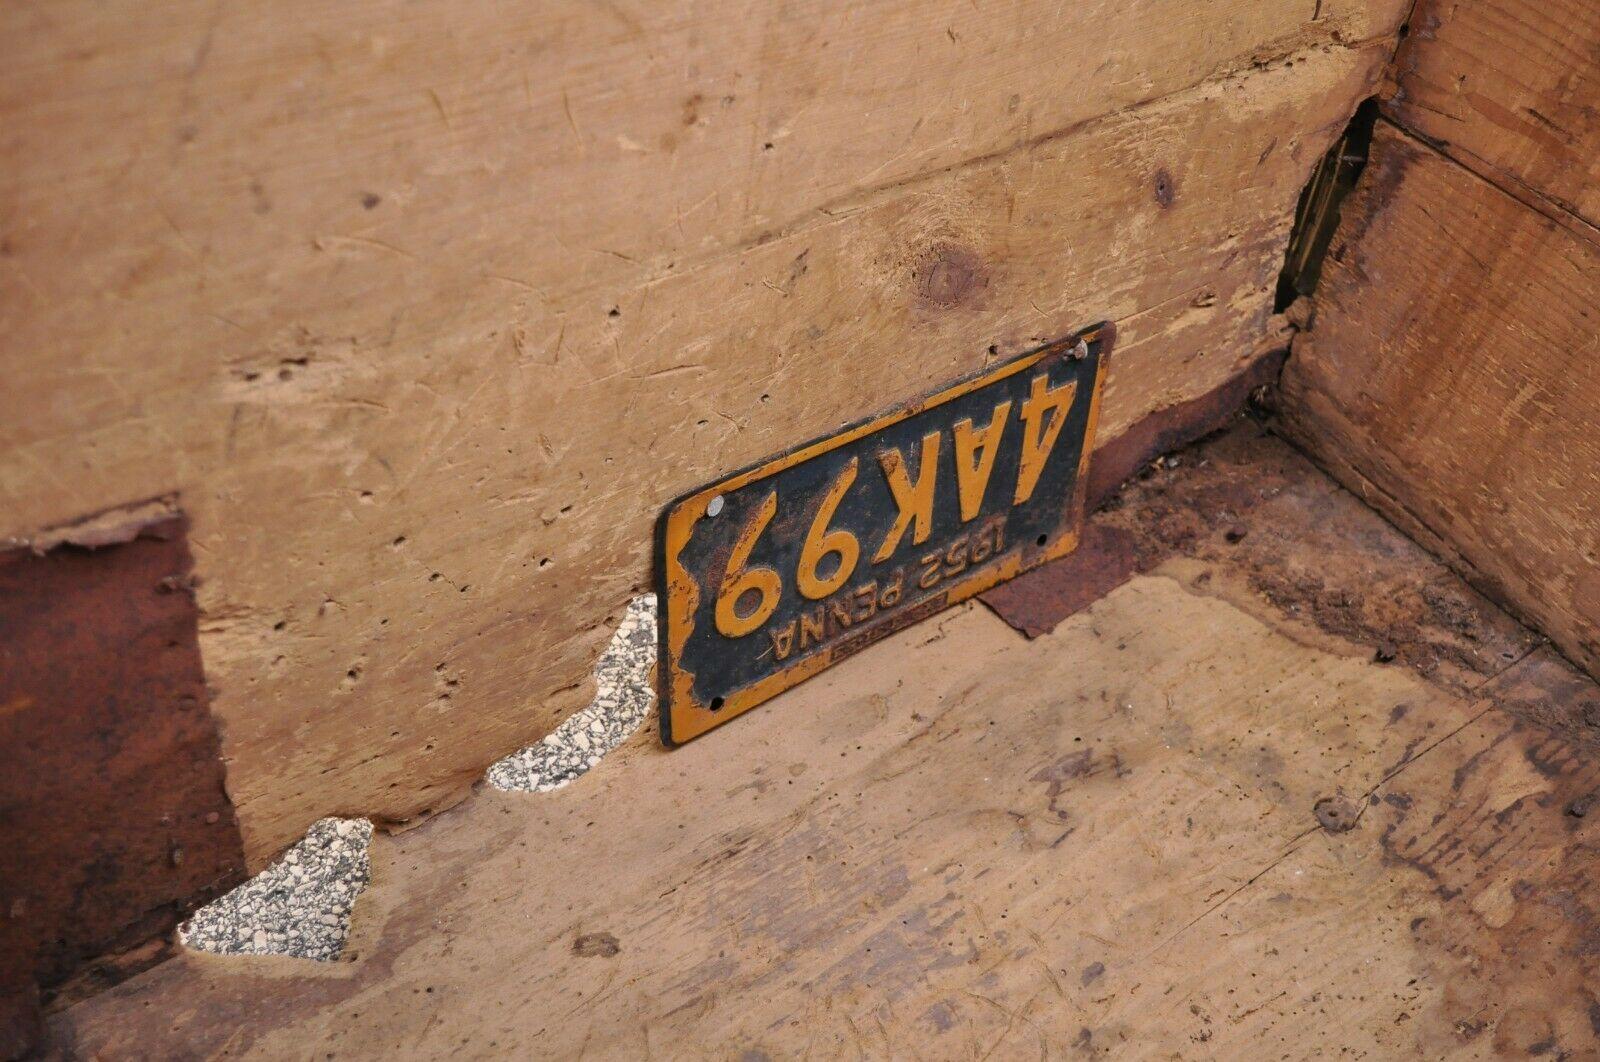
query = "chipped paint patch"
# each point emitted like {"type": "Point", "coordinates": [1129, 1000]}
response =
{"type": "Point", "coordinates": [300, 906]}
{"type": "Point", "coordinates": [624, 696]}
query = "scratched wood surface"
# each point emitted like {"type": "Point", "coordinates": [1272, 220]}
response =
{"type": "Point", "coordinates": [1511, 87]}
{"type": "Point", "coordinates": [425, 310]}
{"type": "Point", "coordinates": [1193, 821]}
{"type": "Point", "coordinates": [1451, 377]}
{"type": "Point", "coordinates": [1449, 372]}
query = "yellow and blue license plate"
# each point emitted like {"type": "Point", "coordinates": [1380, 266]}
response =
{"type": "Point", "coordinates": [772, 574]}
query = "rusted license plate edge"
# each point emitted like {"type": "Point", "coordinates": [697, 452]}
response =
{"type": "Point", "coordinates": [764, 576]}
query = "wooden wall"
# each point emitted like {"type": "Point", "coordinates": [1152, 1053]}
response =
{"type": "Point", "coordinates": [1452, 371]}
{"type": "Point", "coordinates": [422, 309]}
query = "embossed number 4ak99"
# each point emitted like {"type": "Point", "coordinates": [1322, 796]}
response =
{"type": "Point", "coordinates": [775, 572]}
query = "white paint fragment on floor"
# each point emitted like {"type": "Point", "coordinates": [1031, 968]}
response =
{"type": "Point", "coordinates": [624, 696]}
{"type": "Point", "coordinates": [300, 906]}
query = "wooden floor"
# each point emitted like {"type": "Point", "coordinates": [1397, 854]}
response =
{"type": "Point", "coordinates": [1199, 819]}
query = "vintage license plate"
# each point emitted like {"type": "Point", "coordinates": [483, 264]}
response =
{"type": "Point", "coordinates": [773, 573]}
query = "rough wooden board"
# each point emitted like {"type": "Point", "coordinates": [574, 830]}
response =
{"type": "Point", "coordinates": [1510, 88]}
{"type": "Point", "coordinates": [1451, 378]}
{"type": "Point", "coordinates": [1106, 836]}
{"type": "Point", "coordinates": [1254, 521]}
{"type": "Point", "coordinates": [421, 492]}
{"type": "Point", "coordinates": [195, 182]}
{"type": "Point", "coordinates": [1524, 798]}
{"type": "Point", "coordinates": [559, 149]}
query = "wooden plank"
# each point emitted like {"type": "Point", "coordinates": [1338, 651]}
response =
{"type": "Point", "coordinates": [536, 152]}
{"type": "Point", "coordinates": [1511, 947]}
{"type": "Point", "coordinates": [1261, 525]}
{"type": "Point", "coordinates": [1450, 376]}
{"type": "Point", "coordinates": [1512, 89]}
{"type": "Point", "coordinates": [396, 541]}
{"type": "Point", "coordinates": [929, 842]}
{"type": "Point", "coordinates": [423, 440]}
{"type": "Point", "coordinates": [1130, 832]}
{"type": "Point", "coordinates": [1105, 837]}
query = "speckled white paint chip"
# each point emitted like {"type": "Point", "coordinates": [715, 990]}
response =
{"type": "Point", "coordinates": [300, 906]}
{"type": "Point", "coordinates": [624, 696]}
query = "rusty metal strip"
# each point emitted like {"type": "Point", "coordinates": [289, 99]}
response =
{"type": "Point", "coordinates": [1036, 602]}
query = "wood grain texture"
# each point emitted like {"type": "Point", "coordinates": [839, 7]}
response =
{"type": "Point", "coordinates": [1511, 88]}
{"type": "Point", "coordinates": [1279, 539]}
{"type": "Point", "coordinates": [1451, 377]}
{"type": "Point", "coordinates": [1169, 827]}
{"type": "Point", "coordinates": [426, 311]}
{"type": "Point", "coordinates": [936, 843]}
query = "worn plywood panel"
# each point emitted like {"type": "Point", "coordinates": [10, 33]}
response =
{"type": "Point", "coordinates": [1451, 376]}
{"type": "Point", "coordinates": [425, 310]}
{"type": "Point", "coordinates": [1512, 88]}
{"type": "Point", "coordinates": [1203, 737]}
{"type": "Point", "coordinates": [1165, 826]}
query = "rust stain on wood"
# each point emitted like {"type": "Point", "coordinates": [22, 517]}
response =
{"type": "Point", "coordinates": [1506, 846]}
{"type": "Point", "coordinates": [111, 778]}
{"type": "Point", "coordinates": [1176, 426]}
{"type": "Point", "coordinates": [1222, 506]}
{"type": "Point", "coordinates": [1035, 602]}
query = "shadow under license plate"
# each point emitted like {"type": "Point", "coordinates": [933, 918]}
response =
{"type": "Point", "coordinates": [774, 573]}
